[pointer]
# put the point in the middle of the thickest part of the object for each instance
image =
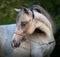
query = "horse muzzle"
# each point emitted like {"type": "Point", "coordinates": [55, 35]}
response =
{"type": "Point", "coordinates": [15, 43]}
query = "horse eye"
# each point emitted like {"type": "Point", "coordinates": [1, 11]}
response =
{"type": "Point", "coordinates": [23, 24]}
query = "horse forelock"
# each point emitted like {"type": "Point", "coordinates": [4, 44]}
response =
{"type": "Point", "coordinates": [20, 13]}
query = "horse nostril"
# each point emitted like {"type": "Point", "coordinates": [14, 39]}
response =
{"type": "Point", "coordinates": [15, 43]}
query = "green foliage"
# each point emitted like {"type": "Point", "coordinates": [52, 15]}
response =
{"type": "Point", "coordinates": [8, 14]}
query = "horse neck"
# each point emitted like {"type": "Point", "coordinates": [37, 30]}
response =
{"type": "Point", "coordinates": [40, 38]}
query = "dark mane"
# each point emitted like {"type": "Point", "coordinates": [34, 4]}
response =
{"type": "Point", "coordinates": [40, 9]}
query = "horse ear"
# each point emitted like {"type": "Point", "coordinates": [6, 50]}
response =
{"type": "Point", "coordinates": [17, 10]}
{"type": "Point", "coordinates": [26, 10]}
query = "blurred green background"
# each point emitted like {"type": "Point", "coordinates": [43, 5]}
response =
{"type": "Point", "coordinates": [8, 14]}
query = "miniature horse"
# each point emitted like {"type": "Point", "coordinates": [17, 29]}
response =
{"type": "Point", "coordinates": [35, 24]}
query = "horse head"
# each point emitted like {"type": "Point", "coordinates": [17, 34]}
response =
{"type": "Point", "coordinates": [24, 26]}
{"type": "Point", "coordinates": [29, 21]}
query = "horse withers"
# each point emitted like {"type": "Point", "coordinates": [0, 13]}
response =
{"type": "Point", "coordinates": [35, 24]}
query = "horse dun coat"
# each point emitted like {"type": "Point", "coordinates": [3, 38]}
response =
{"type": "Point", "coordinates": [35, 23]}
{"type": "Point", "coordinates": [43, 38]}
{"type": "Point", "coordinates": [34, 33]}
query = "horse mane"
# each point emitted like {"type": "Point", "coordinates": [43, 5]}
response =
{"type": "Point", "coordinates": [45, 13]}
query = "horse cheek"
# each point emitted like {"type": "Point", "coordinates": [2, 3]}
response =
{"type": "Point", "coordinates": [30, 28]}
